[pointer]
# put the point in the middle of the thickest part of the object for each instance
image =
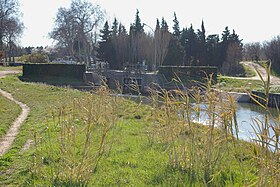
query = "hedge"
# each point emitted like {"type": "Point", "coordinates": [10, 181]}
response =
{"type": "Point", "coordinates": [188, 73]}
{"type": "Point", "coordinates": [54, 70]}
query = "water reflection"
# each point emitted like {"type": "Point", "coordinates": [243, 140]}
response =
{"type": "Point", "coordinates": [250, 118]}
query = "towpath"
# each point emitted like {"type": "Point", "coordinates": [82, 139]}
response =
{"type": "Point", "coordinates": [9, 137]}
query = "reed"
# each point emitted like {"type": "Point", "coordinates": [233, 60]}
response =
{"type": "Point", "coordinates": [213, 154]}
{"type": "Point", "coordinates": [68, 150]}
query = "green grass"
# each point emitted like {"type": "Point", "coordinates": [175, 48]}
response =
{"type": "Point", "coordinates": [58, 81]}
{"type": "Point", "coordinates": [248, 72]}
{"type": "Point", "coordinates": [10, 68]}
{"type": "Point", "coordinates": [237, 85]}
{"type": "Point", "coordinates": [8, 113]}
{"type": "Point", "coordinates": [40, 98]}
{"type": "Point", "coordinates": [146, 146]}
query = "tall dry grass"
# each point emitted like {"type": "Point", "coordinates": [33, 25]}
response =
{"type": "Point", "coordinates": [68, 150]}
{"type": "Point", "coordinates": [213, 154]}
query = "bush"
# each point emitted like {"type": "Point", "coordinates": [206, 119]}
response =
{"type": "Point", "coordinates": [35, 58]}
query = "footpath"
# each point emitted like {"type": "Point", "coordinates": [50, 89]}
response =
{"type": "Point", "coordinates": [8, 139]}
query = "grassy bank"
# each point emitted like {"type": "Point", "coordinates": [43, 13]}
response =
{"type": "Point", "coordinates": [10, 68]}
{"type": "Point", "coordinates": [237, 85]}
{"type": "Point", "coordinates": [83, 139]}
{"type": "Point", "coordinates": [8, 113]}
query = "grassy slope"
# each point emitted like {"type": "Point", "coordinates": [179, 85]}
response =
{"type": "Point", "coordinates": [11, 68]}
{"type": "Point", "coordinates": [133, 161]}
{"type": "Point", "coordinates": [40, 98]}
{"type": "Point", "coordinates": [237, 85]}
{"type": "Point", "coordinates": [8, 112]}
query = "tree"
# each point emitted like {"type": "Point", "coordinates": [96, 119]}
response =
{"type": "Point", "coordinates": [106, 50]}
{"type": "Point", "coordinates": [272, 52]}
{"type": "Point", "coordinates": [10, 26]}
{"type": "Point", "coordinates": [138, 27]}
{"type": "Point", "coordinates": [233, 54]}
{"type": "Point", "coordinates": [202, 45]}
{"type": "Point", "coordinates": [14, 29]}
{"type": "Point", "coordinates": [176, 27]}
{"type": "Point", "coordinates": [65, 30]}
{"type": "Point", "coordinates": [253, 51]}
{"type": "Point", "coordinates": [190, 44]}
{"type": "Point", "coordinates": [223, 46]}
{"type": "Point", "coordinates": [136, 34]}
{"type": "Point", "coordinates": [231, 66]}
{"type": "Point", "coordinates": [175, 53]}
{"type": "Point", "coordinates": [162, 39]}
{"type": "Point", "coordinates": [212, 50]}
{"type": "Point", "coordinates": [115, 27]}
{"type": "Point", "coordinates": [121, 46]}
{"type": "Point", "coordinates": [74, 28]}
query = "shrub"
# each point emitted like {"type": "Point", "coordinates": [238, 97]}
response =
{"type": "Point", "coordinates": [34, 58]}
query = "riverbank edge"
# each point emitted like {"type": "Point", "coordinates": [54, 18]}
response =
{"type": "Point", "coordinates": [237, 96]}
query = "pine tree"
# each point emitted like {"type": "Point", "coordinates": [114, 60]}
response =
{"type": "Point", "coordinates": [164, 25]}
{"type": "Point", "coordinates": [190, 47]}
{"type": "Point", "coordinates": [223, 46]}
{"type": "Point", "coordinates": [115, 27]}
{"type": "Point", "coordinates": [106, 50]}
{"type": "Point", "coordinates": [176, 28]}
{"type": "Point", "coordinates": [103, 44]}
{"type": "Point", "coordinates": [225, 35]}
{"type": "Point", "coordinates": [231, 53]}
{"type": "Point", "coordinates": [212, 50]}
{"type": "Point", "coordinates": [175, 53]}
{"type": "Point", "coordinates": [138, 27]}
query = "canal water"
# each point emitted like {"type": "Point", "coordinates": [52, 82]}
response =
{"type": "Point", "coordinates": [249, 118]}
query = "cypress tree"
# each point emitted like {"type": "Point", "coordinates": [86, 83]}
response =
{"type": "Point", "coordinates": [202, 45]}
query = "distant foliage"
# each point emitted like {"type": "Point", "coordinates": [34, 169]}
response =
{"type": "Point", "coordinates": [272, 52]}
{"type": "Point", "coordinates": [187, 46]}
{"type": "Point", "coordinates": [34, 58]}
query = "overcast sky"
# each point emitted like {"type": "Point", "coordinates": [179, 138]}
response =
{"type": "Point", "coordinates": [253, 20]}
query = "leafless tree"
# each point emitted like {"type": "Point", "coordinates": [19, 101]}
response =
{"type": "Point", "coordinates": [162, 38]}
{"type": "Point", "coordinates": [13, 30]}
{"type": "Point", "coordinates": [272, 52]}
{"type": "Point", "coordinates": [10, 26]}
{"type": "Point", "coordinates": [233, 56]}
{"type": "Point", "coordinates": [64, 31]}
{"type": "Point", "coordinates": [74, 28]}
{"type": "Point", "coordinates": [121, 46]}
{"type": "Point", "coordinates": [253, 51]}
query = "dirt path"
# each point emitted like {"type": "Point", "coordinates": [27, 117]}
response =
{"type": "Point", "coordinates": [254, 66]}
{"type": "Point", "coordinates": [7, 140]}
